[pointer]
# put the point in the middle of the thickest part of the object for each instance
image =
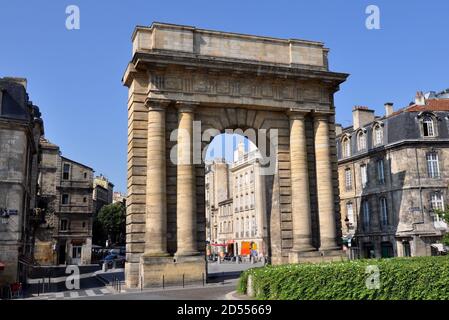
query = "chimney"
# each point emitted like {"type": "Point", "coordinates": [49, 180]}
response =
{"type": "Point", "coordinates": [388, 109]}
{"type": "Point", "coordinates": [20, 81]}
{"type": "Point", "coordinates": [338, 129]}
{"type": "Point", "coordinates": [361, 116]}
{"type": "Point", "coordinates": [419, 99]}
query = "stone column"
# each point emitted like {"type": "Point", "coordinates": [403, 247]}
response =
{"type": "Point", "coordinates": [325, 188]}
{"type": "Point", "coordinates": [301, 213]}
{"type": "Point", "coordinates": [260, 204]}
{"type": "Point", "coordinates": [186, 182]}
{"type": "Point", "coordinates": [156, 204]}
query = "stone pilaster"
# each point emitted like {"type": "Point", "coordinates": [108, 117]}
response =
{"type": "Point", "coordinates": [156, 204]}
{"type": "Point", "coordinates": [325, 191]}
{"type": "Point", "coordinates": [301, 213]}
{"type": "Point", "coordinates": [186, 192]}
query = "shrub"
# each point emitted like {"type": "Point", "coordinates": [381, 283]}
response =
{"type": "Point", "coordinates": [399, 278]}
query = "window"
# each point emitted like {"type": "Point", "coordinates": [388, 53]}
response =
{"type": "Point", "coordinates": [346, 147]}
{"type": "Point", "coordinates": [64, 225]}
{"type": "Point", "coordinates": [380, 171]}
{"type": "Point", "coordinates": [364, 175]}
{"type": "Point", "coordinates": [378, 135]}
{"type": "Point", "coordinates": [348, 179]}
{"type": "Point", "coordinates": [85, 175]}
{"type": "Point", "coordinates": [65, 199]}
{"type": "Point", "coordinates": [84, 224]}
{"type": "Point", "coordinates": [76, 252]}
{"type": "Point", "coordinates": [253, 226]}
{"type": "Point", "coordinates": [84, 199]}
{"type": "Point", "coordinates": [66, 171]}
{"type": "Point", "coordinates": [407, 252]}
{"type": "Point", "coordinates": [350, 213]}
{"type": "Point", "coordinates": [433, 167]}
{"type": "Point", "coordinates": [366, 215]}
{"type": "Point", "coordinates": [436, 201]}
{"type": "Point", "coordinates": [361, 141]}
{"type": "Point", "coordinates": [383, 211]}
{"type": "Point", "coordinates": [428, 128]}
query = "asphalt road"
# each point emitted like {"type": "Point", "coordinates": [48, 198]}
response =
{"type": "Point", "coordinates": [210, 292]}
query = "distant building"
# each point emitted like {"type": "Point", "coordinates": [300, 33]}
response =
{"type": "Point", "coordinates": [235, 205]}
{"type": "Point", "coordinates": [118, 197]}
{"type": "Point", "coordinates": [393, 176]}
{"type": "Point", "coordinates": [103, 191]}
{"type": "Point", "coordinates": [21, 127]}
{"type": "Point", "coordinates": [65, 189]}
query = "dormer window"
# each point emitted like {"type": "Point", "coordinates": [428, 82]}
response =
{"type": "Point", "coordinates": [361, 141]}
{"type": "Point", "coordinates": [428, 126]}
{"type": "Point", "coordinates": [378, 135]}
{"type": "Point", "coordinates": [346, 147]}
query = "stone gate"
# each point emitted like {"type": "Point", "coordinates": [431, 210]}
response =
{"type": "Point", "coordinates": [179, 75]}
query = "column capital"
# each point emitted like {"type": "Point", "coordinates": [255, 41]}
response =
{"type": "Point", "coordinates": [156, 104]}
{"type": "Point", "coordinates": [297, 114]}
{"type": "Point", "coordinates": [322, 115]}
{"type": "Point", "coordinates": [186, 106]}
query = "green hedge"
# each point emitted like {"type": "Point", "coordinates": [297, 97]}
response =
{"type": "Point", "coordinates": [400, 279]}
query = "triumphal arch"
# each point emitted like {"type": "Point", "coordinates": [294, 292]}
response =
{"type": "Point", "coordinates": [184, 81]}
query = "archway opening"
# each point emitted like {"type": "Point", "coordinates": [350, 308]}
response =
{"type": "Point", "coordinates": [235, 202]}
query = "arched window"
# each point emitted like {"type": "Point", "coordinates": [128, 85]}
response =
{"type": "Point", "coordinates": [361, 141]}
{"type": "Point", "coordinates": [428, 126]}
{"type": "Point", "coordinates": [346, 147]}
{"type": "Point", "coordinates": [378, 135]}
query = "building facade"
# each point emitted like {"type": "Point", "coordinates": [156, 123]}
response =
{"type": "Point", "coordinates": [21, 127]}
{"type": "Point", "coordinates": [103, 192]}
{"type": "Point", "coordinates": [236, 216]}
{"type": "Point", "coordinates": [393, 175]}
{"type": "Point", "coordinates": [65, 189]}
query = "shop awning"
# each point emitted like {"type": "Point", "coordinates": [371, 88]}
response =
{"type": "Point", "coordinates": [219, 245]}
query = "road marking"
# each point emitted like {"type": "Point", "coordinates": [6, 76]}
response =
{"type": "Point", "coordinates": [104, 291]}
{"type": "Point", "coordinates": [74, 294]}
{"type": "Point", "coordinates": [90, 293]}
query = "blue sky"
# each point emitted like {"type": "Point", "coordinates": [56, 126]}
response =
{"type": "Point", "coordinates": [74, 76]}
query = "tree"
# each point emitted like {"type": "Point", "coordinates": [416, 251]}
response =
{"type": "Point", "coordinates": [111, 223]}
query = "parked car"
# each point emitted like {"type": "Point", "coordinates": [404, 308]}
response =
{"type": "Point", "coordinates": [109, 260]}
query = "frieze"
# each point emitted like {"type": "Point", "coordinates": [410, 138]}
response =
{"type": "Point", "coordinates": [242, 87]}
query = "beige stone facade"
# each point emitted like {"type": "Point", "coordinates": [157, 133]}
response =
{"type": "Point", "coordinates": [65, 191]}
{"type": "Point", "coordinates": [180, 74]}
{"type": "Point", "coordinates": [393, 173]}
{"type": "Point", "coordinates": [236, 215]}
{"type": "Point", "coordinates": [20, 130]}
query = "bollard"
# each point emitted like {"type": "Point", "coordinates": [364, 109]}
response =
{"type": "Point", "coordinates": [141, 283]}
{"type": "Point", "coordinates": [163, 282]}
{"type": "Point", "coordinates": [38, 287]}
{"type": "Point", "coordinates": [203, 279]}
{"type": "Point", "coordinates": [183, 280]}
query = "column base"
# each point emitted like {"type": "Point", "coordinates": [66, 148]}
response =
{"type": "Point", "coordinates": [316, 256]}
{"type": "Point", "coordinates": [166, 271]}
